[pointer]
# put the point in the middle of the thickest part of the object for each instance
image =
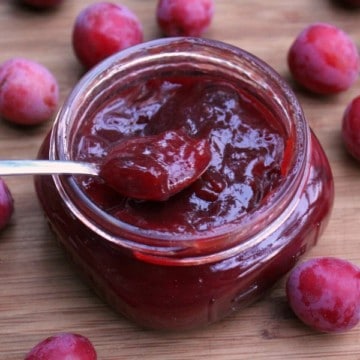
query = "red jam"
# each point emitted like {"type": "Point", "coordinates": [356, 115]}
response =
{"type": "Point", "coordinates": [247, 151]}
{"type": "Point", "coordinates": [197, 254]}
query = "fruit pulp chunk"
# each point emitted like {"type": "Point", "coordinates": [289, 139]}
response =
{"type": "Point", "coordinates": [155, 167]}
{"type": "Point", "coordinates": [247, 147]}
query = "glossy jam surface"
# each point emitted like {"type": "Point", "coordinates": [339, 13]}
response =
{"type": "Point", "coordinates": [247, 148]}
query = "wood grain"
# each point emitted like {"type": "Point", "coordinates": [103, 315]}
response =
{"type": "Point", "coordinates": [40, 293]}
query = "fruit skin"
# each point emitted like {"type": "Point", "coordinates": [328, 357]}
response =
{"type": "Point", "coordinates": [184, 17]}
{"type": "Point", "coordinates": [29, 92]}
{"type": "Point", "coordinates": [324, 59]}
{"type": "Point", "coordinates": [324, 293]}
{"type": "Point", "coordinates": [63, 346]}
{"type": "Point", "coordinates": [155, 167]}
{"type": "Point", "coordinates": [102, 29]}
{"type": "Point", "coordinates": [42, 4]}
{"type": "Point", "coordinates": [350, 130]}
{"type": "Point", "coordinates": [6, 204]}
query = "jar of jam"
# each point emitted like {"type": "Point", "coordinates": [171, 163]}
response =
{"type": "Point", "coordinates": [220, 243]}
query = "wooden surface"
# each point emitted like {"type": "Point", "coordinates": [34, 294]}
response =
{"type": "Point", "coordinates": [40, 294]}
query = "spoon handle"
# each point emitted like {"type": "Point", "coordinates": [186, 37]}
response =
{"type": "Point", "coordinates": [46, 167]}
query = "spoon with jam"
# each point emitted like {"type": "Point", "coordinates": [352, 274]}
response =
{"type": "Point", "coordinates": [153, 167]}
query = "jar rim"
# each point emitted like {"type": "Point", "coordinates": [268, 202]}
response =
{"type": "Point", "coordinates": [214, 241]}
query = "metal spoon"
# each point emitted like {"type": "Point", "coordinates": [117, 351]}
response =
{"type": "Point", "coordinates": [46, 167]}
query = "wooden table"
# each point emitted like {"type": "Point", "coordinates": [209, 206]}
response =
{"type": "Point", "coordinates": [40, 293]}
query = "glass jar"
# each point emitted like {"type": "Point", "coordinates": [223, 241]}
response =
{"type": "Point", "coordinates": [179, 280]}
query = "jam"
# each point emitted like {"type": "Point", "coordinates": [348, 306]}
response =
{"type": "Point", "coordinates": [247, 149]}
{"type": "Point", "coordinates": [189, 257]}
